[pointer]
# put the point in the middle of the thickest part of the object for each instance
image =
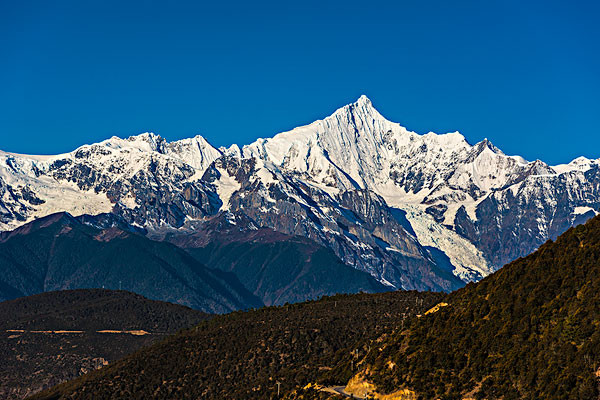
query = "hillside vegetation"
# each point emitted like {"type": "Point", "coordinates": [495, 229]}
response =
{"type": "Point", "coordinates": [52, 337]}
{"type": "Point", "coordinates": [243, 355]}
{"type": "Point", "coordinates": [529, 331]}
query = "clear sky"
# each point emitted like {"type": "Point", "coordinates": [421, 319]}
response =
{"type": "Point", "coordinates": [524, 74]}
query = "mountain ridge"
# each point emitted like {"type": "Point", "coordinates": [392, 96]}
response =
{"type": "Point", "coordinates": [528, 331]}
{"type": "Point", "coordinates": [213, 271]}
{"type": "Point", "coordinates": [59, 252]}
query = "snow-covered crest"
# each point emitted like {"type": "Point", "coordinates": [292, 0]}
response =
{"type": "Point", "coordinates": [84, 181]}
{"type": "Point", "coordinates": [357, 147]}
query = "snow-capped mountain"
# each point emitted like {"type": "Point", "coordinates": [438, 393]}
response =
{"type": "Point", "coordinates": [416, 211]}
{"type": "Point", "coordinates": [454, 193]}
{"type": "Point", "coordinates": [116, 174]}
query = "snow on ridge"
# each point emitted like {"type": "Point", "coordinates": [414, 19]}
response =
{"type": "Point", "coordinates": [356, 146]}
{"type": "Point", "coordinates": [144, 142]}
{"type": "Point", "coordinates": [344, 144]}
{"type": "Point", "coordinates": [226, 186]}
{"type": "Point", "coordinates": [195, 151]}
{"type": "Point", "coordinates": [34, 157]}
{"type": "Point", "coordinates": [233, 150]}
{"type": "Point", "coordinates": [579, 164]}
{"type": "Point", "coordinates": [584, 210]}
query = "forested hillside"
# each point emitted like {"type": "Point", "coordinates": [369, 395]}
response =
{"type": "Point", "coordinates": [243, 355]}
{"type": "Point", "coordinates": [60, 252]}
{"type": "Point", "coordinates": [51, 337]}
{"type": "Point", "coordinates": [529, 331]}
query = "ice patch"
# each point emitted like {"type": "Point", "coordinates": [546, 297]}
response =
{"type": "Point", "coordinates": [584, 210]}
{"type": "Point", "coordinates": [226, 186]}
{"type": "Point", "coordinates": [463, 255]}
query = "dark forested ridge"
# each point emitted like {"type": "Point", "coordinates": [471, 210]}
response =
{"type": "Point", "coordinates": [218, 270]}
{"type": "Point", "coordinates": [60, 252]}
{"type": "Point", "coordinates": [529, 331]}
{"type": "Point", "coordinates": [93, 309]}
{"type": "Point", "coordinates": [243, 354]}
{"type": "Point", "coordinates": [278, 268]}
{"type": "Point", "coordinates": [51, 337]}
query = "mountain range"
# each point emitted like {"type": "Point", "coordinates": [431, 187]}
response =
{"type": "Point", "coordinates": [426, 212]}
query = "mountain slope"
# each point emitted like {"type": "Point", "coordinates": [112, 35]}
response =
{"type": "Point", "coordinates": [242, 355]}
{"type": "Point", "coordinates": [278, 268]}
{"type": "Point", "coordinates": [529, 331]}
{"type": "Point", "coordinates": [357, 225]}
{"type": "Point", "coordinates": [37, 352]}
{"type": "Point", "coordinates": [58, 252]}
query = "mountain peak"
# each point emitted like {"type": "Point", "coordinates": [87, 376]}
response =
{"type": "Point", "coordinates": [63, 218]}
{"type": "Point", "coordinates": [361, 107]}
{"type": "Point", "coordinates": [363, 99]}
{"type": "Point", "coordinates": [485, 143]}
{"type": "Point", "coordinates": [151, 138]}
{"type": "Point", "coordinates": [146, 142]}
{"type": "Point", "coordinates": [363, 102]}
{"type": "Point", "coordinates": [147, 136]}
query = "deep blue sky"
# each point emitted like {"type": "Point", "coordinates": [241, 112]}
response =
{"type": "Point", "coordinates": [524, 74]}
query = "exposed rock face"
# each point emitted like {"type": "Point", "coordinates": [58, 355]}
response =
{"type": "Point", "coordinates": [357, 224]}
{"type": "Point", "coordinates": [415, 211]}
{"type": "Point", "coordinates": [511, 222]}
